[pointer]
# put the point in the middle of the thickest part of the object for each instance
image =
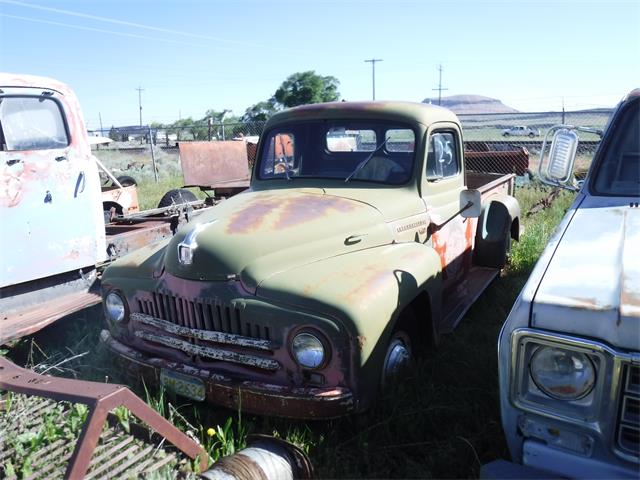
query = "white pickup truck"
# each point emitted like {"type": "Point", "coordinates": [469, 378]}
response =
{"type": "Point", "coordinates": [520, 131]}
{"type": "Point", "coordinates": [569, 352]}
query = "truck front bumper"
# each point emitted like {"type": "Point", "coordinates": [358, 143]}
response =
{"type": "Point", "coordinates": [253, 397]}
{"type": "Point", "coordinates": [541, 462]}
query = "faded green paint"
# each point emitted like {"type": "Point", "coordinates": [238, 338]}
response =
{"type": "Point", "coordinates": [344, 259]}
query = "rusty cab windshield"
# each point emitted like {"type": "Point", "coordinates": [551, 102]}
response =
{"type": "Point", "coordinates": [619, 170]}
{"type": "Point", "coordinates": [333, 150]}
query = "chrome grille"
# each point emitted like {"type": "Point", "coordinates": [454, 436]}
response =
{"type": "Point", "coordinates": [628, 431]}
{"type": "Point", "coordinates": [201, 315]}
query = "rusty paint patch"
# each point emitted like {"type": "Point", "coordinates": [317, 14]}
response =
{"type": "Point", "coordinates": [209, 352]}
{"type": "Point", "coordinates": [307, 208]}
{"type": "Point", "coordinates": [279, 213]}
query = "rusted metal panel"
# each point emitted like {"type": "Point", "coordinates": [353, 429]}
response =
{"type": "Point", "coordinates": [215, 164]}
{"type": "Point", "coordinates": [17, 324]}
{"type": "Point", "coordinates": [497, 161]}
{"type": "Point", "coordinates": [100, 399]}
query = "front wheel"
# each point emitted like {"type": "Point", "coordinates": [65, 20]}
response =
{"type": "Point", "coordinates": [531, 135]}
{"type": "Point", "coordinates": [398, 359]}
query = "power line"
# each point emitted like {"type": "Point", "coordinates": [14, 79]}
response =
{"type": "Point", "coordinates": [440, 88]}
{"type": "Point", "coordinates": [126, 23]}
{"type": "Point", "coordinates": [373, 73]}
{"type": "Point", "coordinates": [100, 30]}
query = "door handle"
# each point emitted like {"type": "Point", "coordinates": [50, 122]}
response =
{"type": "Point", "coordinates": [61, 158]}
{"type": "Point", "coordinates": [80, 184]}
{"type": "Point", "coordinates": [13, 161]}
{"type": "Point", "coordinates": [353, 239]}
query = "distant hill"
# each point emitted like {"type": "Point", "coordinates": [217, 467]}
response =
{"type": "Point", "coordinates": [472, 104]}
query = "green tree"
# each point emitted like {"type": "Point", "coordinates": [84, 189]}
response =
{"type": "Point", "coordinates": [260, 112]}
{"type": "Point", "coordinates": [303, 88]}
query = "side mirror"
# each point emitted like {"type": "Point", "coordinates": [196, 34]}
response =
{"type": "Point", "coordinates": [470, 203]}
{"type": "Point", "coordinates": [562, 155]}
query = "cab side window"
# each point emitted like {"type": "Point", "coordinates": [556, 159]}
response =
{"type": "Point", "coordinates": [442, 156]}
{"type": "Point", "coordinates": [30, 123]}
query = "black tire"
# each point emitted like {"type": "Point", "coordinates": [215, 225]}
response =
{"type": "Point", "coordinates": [126, 180]}
{"type": "Point", "coordinates": [531, 135]}
{"type": "Point", "coordinates": [505, 134]}
{"type": "Point", "coordinates": [177, 197]}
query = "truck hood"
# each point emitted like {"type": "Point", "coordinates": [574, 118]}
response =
{"type": "Point", "coordinates": [591, 286]}
{"type": "Point", "coordinates": [260, 233]}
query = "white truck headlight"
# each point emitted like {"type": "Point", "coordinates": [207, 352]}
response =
{"type": "Point", "coordinates": [308, 350]}
{"type": "Point", "coordinates": [562, 374]}
{"type": "Point", "coordinates": [114, 307]}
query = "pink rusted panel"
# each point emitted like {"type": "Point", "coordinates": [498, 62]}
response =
{"type": "Point", "coordinates": [215, 164]}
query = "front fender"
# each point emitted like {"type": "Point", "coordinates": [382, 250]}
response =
{"type": "Point", "coordinates": [366, 290]}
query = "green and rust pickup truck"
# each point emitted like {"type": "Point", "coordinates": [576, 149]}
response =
{"type": "Point", "coordinates": [361, 236]}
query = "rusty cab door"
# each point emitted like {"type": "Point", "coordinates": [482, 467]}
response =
{"type": "Point", "coordinates": [49, 188]}
{"type": "Point", "coordinates": [442, 182]}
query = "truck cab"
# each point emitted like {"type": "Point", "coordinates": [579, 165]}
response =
{"type": "Point", "coordinates": [569, 351]}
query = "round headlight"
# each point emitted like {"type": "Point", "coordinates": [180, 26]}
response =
{"type": "Point", "coordinates": [114, 307]}
{"type": "Point", "coordinates": [562, 374]}
{"type": "Point", "coordinates": [308, 350]}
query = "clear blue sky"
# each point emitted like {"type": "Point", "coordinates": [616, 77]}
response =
{"type": "Point", "coordinates": [194, 55]}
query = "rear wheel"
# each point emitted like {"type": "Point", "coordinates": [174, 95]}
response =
{"type": "Point", "coordinates": [177, 197]}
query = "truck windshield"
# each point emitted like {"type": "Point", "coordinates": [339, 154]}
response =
{"type": "Point", "coordinates": [619, 171]}
{"type": "Point", "coordinates": [326, 149]}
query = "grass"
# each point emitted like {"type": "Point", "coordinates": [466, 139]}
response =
{"type": "Point", "coordinates": [442, 422]}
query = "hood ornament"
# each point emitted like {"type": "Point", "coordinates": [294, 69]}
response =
{"type": "Point", "coordinates": [187, 247]}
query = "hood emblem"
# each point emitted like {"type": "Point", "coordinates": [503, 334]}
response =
{"type": "Point", "coordinates": [187, 247]}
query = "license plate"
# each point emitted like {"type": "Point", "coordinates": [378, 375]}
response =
{"type": "Point", "coordinates": [184, 385]}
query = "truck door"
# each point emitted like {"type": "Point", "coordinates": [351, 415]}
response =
{"type": "Point", "coordinates": [442, 183]}
{"type": "Point", "coordinates": [51, 217]}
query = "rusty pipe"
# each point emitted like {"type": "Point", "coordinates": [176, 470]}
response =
{"type": "Point", "coordinates": [265, 458]}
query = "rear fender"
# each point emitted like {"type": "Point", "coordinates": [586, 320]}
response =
{"type": "Point", "coordinates": [499, 221]}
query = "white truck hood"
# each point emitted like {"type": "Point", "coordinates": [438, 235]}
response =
{"type": "Point", "coordinates": [591, 287]}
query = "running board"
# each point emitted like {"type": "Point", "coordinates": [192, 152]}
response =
{"type": "Point", "coordinates": [458, 301]}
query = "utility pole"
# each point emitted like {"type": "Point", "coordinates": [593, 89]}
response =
{"type": "Point", "coordinates": [562, 121]}
{"type": "Point", "coordinates": [373, 61]}
{"type": "Point", "coordinates": [440, 89]}
{"type": "Point", "coordinates": [101, 129]}
{"type": "Point", "coordinates": [140, 90]}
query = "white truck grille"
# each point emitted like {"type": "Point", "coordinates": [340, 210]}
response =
{"type": "Point", "coordinates": [628, 430]}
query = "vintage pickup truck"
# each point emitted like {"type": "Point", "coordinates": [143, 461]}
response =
{"type": "Point", "coordinates": [569, 352]}
{"type": "Point", "coordinates": [356, 242]}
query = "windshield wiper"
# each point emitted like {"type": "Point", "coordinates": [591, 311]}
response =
{"type": "Point", "coordinates": [362, 164]}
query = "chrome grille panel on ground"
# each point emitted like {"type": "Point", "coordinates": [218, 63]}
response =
{"type": "Point", "coordinates": [202, 315]}
{"type": "Point", "coordinates": [628, 431]}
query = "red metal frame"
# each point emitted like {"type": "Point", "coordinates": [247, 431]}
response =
{"type": "Point", "coordinates": [101, 398]}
